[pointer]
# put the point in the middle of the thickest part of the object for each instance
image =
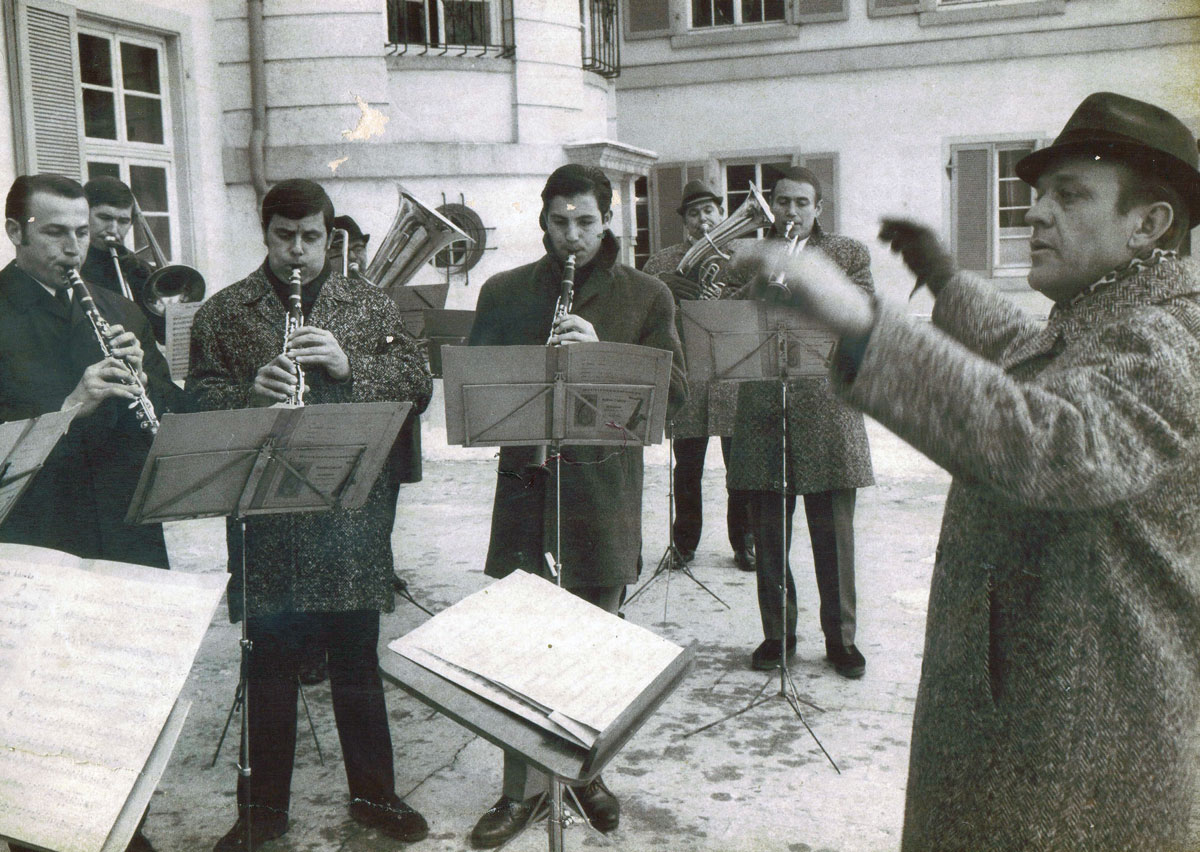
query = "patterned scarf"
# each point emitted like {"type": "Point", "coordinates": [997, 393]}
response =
{"type": "Point", "coordinates": [1121, 273]}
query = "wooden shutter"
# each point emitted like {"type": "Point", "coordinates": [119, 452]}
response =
{"type": "Point", "coordinates": [878, 8]}
{"type": "Point", "coordinates": [666, 190]}
{"type": "Point", "coordinates": [824, 166]}
{"type": "Point", "coordinates": [44, 70]}
{"type": "Point", "coordinates": [814, 11]}
{"type": "Point", "coordinates": [970, 190]}
{"type": "Point", "coordinates": [645, 18]}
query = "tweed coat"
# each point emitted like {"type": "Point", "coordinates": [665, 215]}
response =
{"type": "Point", "coordinates": [1059, 687]}
{"type": "Point", "coordinates": [601, 486]}
{"type": "Point", "coordinates": [77, 502]}
{"type": "Point", "coordinates": [827, 440]}
{"type": "Point", "coordinates": [332, 561]}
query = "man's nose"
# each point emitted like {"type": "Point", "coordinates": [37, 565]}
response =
{"type": "Point", "coordinates": [1038, 214]}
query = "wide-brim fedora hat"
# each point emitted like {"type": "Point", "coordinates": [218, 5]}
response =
{"type": "Point", "coordinates": [1108, 125]}
{"type": "Point", "coordinates": [694, 192]}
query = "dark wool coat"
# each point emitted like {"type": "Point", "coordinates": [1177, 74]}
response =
{"type": "Point", "coordinates": [332, 561]}
{"type": "Point", "coordinates": [827, 440]}
{"type": "Point", "coordinates": [601, 486]}
{"type": "Point", "coordinates": [77, 502]}
{"type": "Point", "coordinates": [1058, 696]}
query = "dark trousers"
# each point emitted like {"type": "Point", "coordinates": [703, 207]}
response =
{"type": "Point", "coordinates": [689, 510]}
{"type": "Point", "coordinates": [349, 639]}
{"type": "Point", "coordinates": [830, 517]}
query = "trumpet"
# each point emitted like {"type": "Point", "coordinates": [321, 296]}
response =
{"type": "Point", "coordinates": [112, 243]}
{"type": "Point", "coordinates": [776, 284]}
{"type": "Point", "coordinates": [706, 257]}
{"type": "Point", "coordinates": [295, 319]}
{"type": "Point", "coordinates": [143, 408]}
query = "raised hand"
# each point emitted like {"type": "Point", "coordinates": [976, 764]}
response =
{"type": "Point", "coordinates": [922, 251]}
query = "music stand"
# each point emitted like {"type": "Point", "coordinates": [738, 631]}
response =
{"type": "Point", "coordinates": [414, 300]}
{"type": "Point", "coordinates": [582, 394]}
{"type": "Point", "coordinates": [24, 447]}
{"type": "Point", "coordinates": [740, 341]}
{"type": "Point", "coordinates": [258, 461]}
{"type": "Point", "coordinates": [445, 328]}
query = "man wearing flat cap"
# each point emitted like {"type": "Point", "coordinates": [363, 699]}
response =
{"type": "Point", "coordinates": [701, 211]}
{"type": "Point", "coordinates": [1060, 684]}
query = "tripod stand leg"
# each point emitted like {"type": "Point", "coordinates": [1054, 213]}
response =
{"type": "Point", "coordinates": [237, 702]}
{"type": "Point", "coordinates": [311, 726]}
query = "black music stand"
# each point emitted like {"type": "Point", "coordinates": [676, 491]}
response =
{"type": "Point", "coordinates": [564, 762]}
{"type": "Point", "coordinates": [258, 461]}
{"type": "Point", "coordinates": [739, 341]}
{"type": "Point", "coordinates": [24, 447]}
{"type": "Point", "coordinates": [414, 300]}
{"type": "Point", "coordinates": [445, 328]}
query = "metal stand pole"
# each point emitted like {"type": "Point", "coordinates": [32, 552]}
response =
{"type": "Point", "coordinates": [671, 559]}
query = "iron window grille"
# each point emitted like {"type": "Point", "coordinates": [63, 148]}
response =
{"type": "Point", "coordinates": [450, 27]}
{"type": "Point", "coordinates": [601, 46]}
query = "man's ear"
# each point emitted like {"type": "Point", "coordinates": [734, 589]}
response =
{"type": "Point", "coordinates": [13, 228]}
{"type": "Point", "coordinates": [606, 219]}
{"type": "Point", "coordinates": [1154, 221]}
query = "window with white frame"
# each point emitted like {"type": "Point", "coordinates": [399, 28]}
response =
{"type": "Point", "coordinates": [726, 13]}
{"type": "Point", "coordinates": [763, 173]}
{"type": "Point", "coordinates": [127, 123]}
{"type": "Point", "coordinates": [989, 203]}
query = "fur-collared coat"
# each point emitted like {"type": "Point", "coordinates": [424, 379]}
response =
{"type": "Point", "coordinates": [827, 440]}
{"type": "Point", "coordinates": [332, 561]}
{"type": "Point", "coordinates": [601, 486]}
{"type": "Point", "coordinates": [1059, 690]}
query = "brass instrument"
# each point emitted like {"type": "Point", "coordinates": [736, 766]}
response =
{"type": "Point", "coordinates": [295, 319]}
{"type": "Point", "coordinates": [416, 234]}
{"type": "Point", "coordinates": [112, 243]}
{"type": "Point", "coordinates": [169, 281]}
{"type": "Point", "coordinates": [776, 285]}
{"type": "Point", "coordinates": [143, 408]}
{"type": "Point", "coordinates": [345, 248]}
{"type": "Point", "coordinates": [705, 257]}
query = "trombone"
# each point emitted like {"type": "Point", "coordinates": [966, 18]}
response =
{"type": "Point", "coordinates": [170, 282]}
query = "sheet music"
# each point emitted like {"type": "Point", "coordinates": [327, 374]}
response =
{"type": "Point", "coordinates": [92, 662]}
{"type": "Point", "coordinates": [526, 636]}
{"type": "Point", "coordinates": [178, 340]}
{"type": "Point", "coordinates": [24, 446]}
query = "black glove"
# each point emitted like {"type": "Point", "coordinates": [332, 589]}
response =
{"type": "Point", "coordinates": [922, 252]}
{"type": "Point", "coordinates": [680, 286]}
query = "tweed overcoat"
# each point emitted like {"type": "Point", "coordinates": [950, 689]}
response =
{"type": "Point", "coordinates": [77, 502]}
{"type": "Point", "coordinates": [601, 486]}
{"type": "Point", "coordinates": [827, 440]}
{"type": "Point", "coordinates": [332, 561]}
{"type": "Point", "coordinates": [1058, 696]}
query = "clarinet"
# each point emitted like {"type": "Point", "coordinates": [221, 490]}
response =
{"type": "Point", "coordinates": [143, 408]}
{"type": "Point", "coordinates": [561, 308]}
{"type": "Point", "coordinates": [295, 319]}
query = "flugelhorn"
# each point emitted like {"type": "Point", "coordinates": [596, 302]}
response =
{"type": "Point", "coordinates": [170, 282]}
{"type": "Point", "coordinates": [295, 319]}
{"type": "Point", "coordinates": [143, 408]}
{"type": "Point", "coordinates": [416, 234]}
{"type": "Point", "coordinates": [704, 259]}
{"type": "Point", "coordinates": [777, 285]}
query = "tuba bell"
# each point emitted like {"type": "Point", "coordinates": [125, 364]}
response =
{"type": "Point", "coordinates": [170, 282]}
{"type": "Point", "coordinates": [703, 260]}
{"type": "Point", "coordinates": [416, 234]}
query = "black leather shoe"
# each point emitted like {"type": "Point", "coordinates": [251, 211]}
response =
{"type": "Point", "coordinates": [744, 559]}
{"type": "Point", "coordinates": [766, 656]}
{"type": "Point", "coordinates": [263, 827]}
{"type": "Point", "coordinates": [393, 818]}
{"type": "Point", "coordinates": [599, 804]}
{"type": "Point", "coordinates": [501, 822]}
{"type": "Point", "coordinates": [846, 659]}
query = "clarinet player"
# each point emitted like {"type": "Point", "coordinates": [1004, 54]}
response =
{"type": "Point", "coordinates": [601, 489]}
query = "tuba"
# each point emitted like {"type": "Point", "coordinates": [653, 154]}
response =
{"type": "Point", "coordinates": [169, 281]}
{"type": "Point", "coordinates": [704, 260]}
{"type": "Point", "coordinates": [417, 233]}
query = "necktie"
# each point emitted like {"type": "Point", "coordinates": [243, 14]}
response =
{"type": "Point", "coordinates": [64, 298]}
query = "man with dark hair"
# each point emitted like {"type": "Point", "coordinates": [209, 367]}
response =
{"type": "Point", "coordinates": [1060, 683]}
{"type": "Point", "coordinates": [50, 360]}
{"type": "Point", "coordinates": [701, 211]}
{"type": "Point", "coordinates": [321, 576]}
{"type": "Point", "coordinates": [601, 487]}
{"type": "Point", "coordinates": [827, 459]}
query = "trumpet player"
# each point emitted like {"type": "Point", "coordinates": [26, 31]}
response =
{"type": "Point", "coordinates": [601, 488]}
{"type": "Point", "coordinates": [701, 211]}
{"type": "Point", "coordinates": [51, 359]}
{"type": "Point", "coordinates": [356, 245]}
{"type": "Point", "coordinates": [321, 579]}
{"type": "Point", "coordinates": [827, 458]}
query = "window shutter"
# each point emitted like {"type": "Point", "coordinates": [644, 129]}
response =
{"type": "Point", "coordinates": [648, 17]}
{"type": "Point", "coordinates": [667, 192]}
{"type": "Point", "coordinates": [824, 166]}
{"type": "Point", "coordinates": [970, 189]}
{"type": "Point", "coordinates": [45, 79]}
{"type": "Point", "coordinates": [814, 11]}
{"type": "Point", "coordinates": [878, 8]}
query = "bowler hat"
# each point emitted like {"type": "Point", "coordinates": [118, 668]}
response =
{"type": "Point", "coordinates": [693, 193]}
{"type": "Point", "coordinates": [350, 227]}
{"type": "Point", "coordinates": [1130, 131]}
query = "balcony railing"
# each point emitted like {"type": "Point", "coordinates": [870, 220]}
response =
{"type": "Point", "coordinates": [601, 46]}
{"type": "Point", "coordinates": [450, 27]}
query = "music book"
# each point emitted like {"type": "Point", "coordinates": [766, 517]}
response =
{"type": "Point", "coordinates": [536, 650]}
{"type": "Point", "coordinates": [93, 656]}
{"type": "Point", "coordinates": [24, 446]}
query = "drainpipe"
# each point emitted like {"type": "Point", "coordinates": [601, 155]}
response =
{"type": "Point", "coordinates": [258, 98]}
